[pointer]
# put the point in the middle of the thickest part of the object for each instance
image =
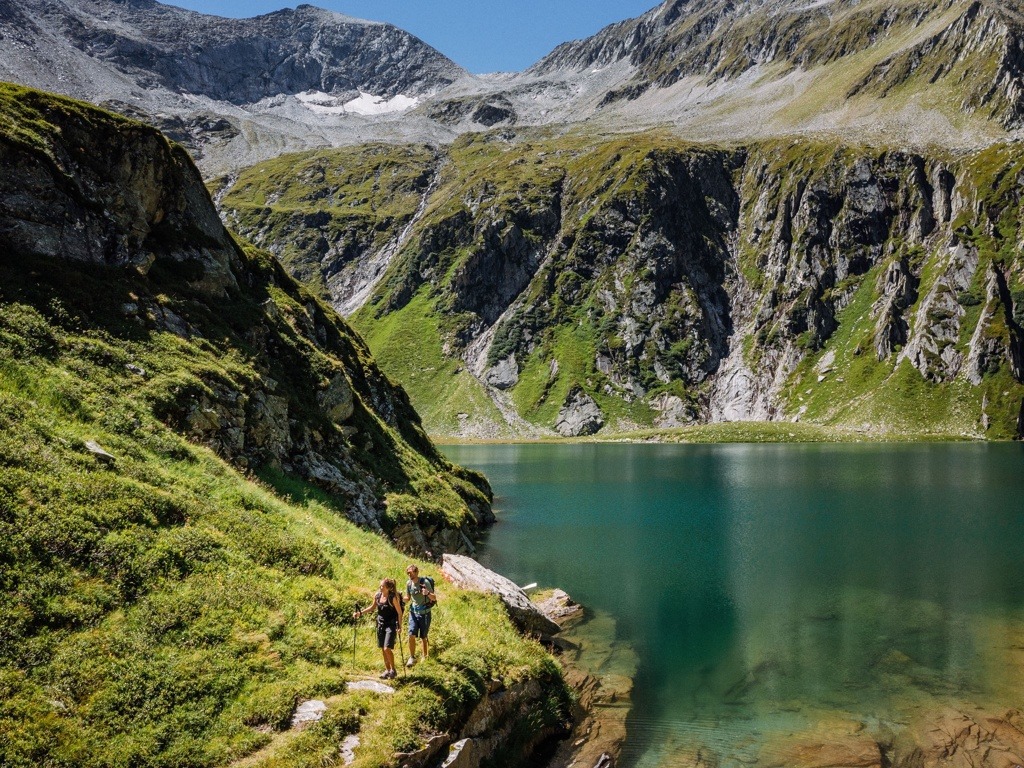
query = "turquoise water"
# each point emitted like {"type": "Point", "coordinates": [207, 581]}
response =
{"type": "Point", "coordinates": [768, 589]}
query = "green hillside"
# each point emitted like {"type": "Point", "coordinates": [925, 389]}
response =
{"type": "Point", "coordinates": [178, 571]}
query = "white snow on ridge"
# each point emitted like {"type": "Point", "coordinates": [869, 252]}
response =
{"type": "Point", "coordinates": [364, 104]}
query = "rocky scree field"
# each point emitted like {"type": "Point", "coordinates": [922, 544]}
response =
{"type": "Point", "coordinates": [197, 463]}
{"type": "Point", "coordinates": [541, 284]}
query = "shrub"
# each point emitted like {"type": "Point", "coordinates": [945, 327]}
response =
{"type": "Point", "coordinates": [968, 299]}
{"type": "Point", "coordinates": [267, 544]}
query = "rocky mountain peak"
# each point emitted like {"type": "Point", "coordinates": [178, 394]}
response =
{"type": "Point", "coordinates": [306, 10]}
{"type": "Point", "coordinates": [868, 67]}
{"type": "Point", "coordinates": [241, 61]}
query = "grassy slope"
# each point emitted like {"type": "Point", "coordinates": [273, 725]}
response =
{"type": "Point", "coordinates": [360, 196]}
{"type": "Point", "coordinates": [408, 346]}
{"type": "Point", "coordinates": [164, 609]}
{"type": "Point", "coordinates": [167, 611]}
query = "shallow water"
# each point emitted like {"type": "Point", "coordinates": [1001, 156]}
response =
{"type": "Point", "coordinates": [770, 589]}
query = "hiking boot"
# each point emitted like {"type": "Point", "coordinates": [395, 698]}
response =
{"type": "Point", "coordinates": [411, 661]}
{"type": "Point", "coordinates": [385, 675]}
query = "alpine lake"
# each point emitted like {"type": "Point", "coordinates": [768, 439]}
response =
{"type": "Point", "coordinates": [779, 604]}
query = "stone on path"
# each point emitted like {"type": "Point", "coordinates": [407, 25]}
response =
{"type": "Point", "coordinates": [348, 749]}
{"type": "Point", "coordinates": [308, 712]}
{"type": "Point", "coordinates": [370, 685]}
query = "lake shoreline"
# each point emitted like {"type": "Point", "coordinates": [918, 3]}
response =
{"type": "Point", "coordinates": [733, 432]}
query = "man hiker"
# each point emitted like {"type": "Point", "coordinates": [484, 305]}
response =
{"type": "Point", "coordinates": [420, 591]}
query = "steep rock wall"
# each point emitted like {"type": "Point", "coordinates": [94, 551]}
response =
{"type": "Point", "coordinates": [647, 281]}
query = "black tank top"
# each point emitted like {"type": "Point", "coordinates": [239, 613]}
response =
{"type": "Point", "coordinates": [386, 613]}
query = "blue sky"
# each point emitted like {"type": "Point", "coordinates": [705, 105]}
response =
{"type": "Point", "coordinates": [481, 35]}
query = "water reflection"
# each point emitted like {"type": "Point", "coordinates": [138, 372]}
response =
{"type": "Point", "coordinates": [768, 588]}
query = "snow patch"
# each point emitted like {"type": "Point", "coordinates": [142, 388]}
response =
{"type": "Point", "coordinates": [364, 104]}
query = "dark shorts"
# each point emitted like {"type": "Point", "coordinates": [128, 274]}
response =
{"type": "Point", "coordinates": [419, 624]}
{"type": "Point", "coordinates": [386, 635]}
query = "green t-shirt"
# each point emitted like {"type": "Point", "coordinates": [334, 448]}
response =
{"type": "Point", "coordinates": [418, 602]}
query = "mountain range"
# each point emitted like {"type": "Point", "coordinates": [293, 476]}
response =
{"type": "Point", "coordinates": [766, 210]}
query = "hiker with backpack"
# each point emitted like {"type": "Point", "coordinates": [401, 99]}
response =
{"type": "Point", "coordinates": [388, 603]}
{"type": "Point", "coordinates": [421, 598]}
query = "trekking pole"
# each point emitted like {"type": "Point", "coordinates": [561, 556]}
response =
{"type": "Point", "coordinates": [401, 650]}
{"type": "Point", "coordinates": [356, 616]}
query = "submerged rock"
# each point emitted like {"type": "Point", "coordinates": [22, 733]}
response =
{"type": "Point", "coordinates": [559, 607]}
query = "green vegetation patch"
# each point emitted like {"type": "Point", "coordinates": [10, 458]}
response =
{"type": "Point", "coordinates": [331, 205]}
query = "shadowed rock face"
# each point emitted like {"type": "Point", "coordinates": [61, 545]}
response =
{"type": "Point", "coordinates": [124, 198]}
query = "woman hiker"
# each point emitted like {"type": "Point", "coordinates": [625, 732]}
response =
{"type": "Point", "coordinates": [389, 619]}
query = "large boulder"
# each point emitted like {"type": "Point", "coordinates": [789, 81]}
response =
{"type": "Point", "coordinates": [467, 573]}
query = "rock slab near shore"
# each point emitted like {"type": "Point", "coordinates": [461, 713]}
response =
{"type": "Point", "coordinates": [467, 573]}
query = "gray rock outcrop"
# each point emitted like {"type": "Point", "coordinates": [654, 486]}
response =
{"type": "Point", "coordinates": [467, 573]}
{"type": "Point", "coordinates": [116, 197]}
{"type": "Point", "coordinates": [580, 415]}
{"type": "Point", "coordinates": [673, 411]}
{"type": "Point", "coordinates": [504, 374]}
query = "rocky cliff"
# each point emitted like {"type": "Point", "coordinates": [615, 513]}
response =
{"type": "Point", "coordinates": [84, 191]}
{"type": "Point", "coordinates": [649, 282]}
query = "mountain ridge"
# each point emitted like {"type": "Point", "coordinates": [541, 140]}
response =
{"type": "Point", "coordinates": [917, 73]}
{"type": "Point", "coordinates": [243, 61]}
